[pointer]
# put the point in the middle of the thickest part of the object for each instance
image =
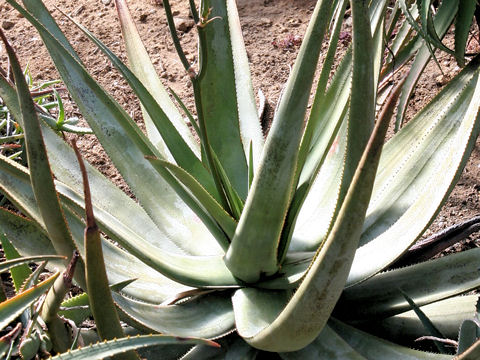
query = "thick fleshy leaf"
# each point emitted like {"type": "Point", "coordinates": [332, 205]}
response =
{"type": "Point", "coordinates": [20, 273]}
{"type": "Point", "coordinates": [31, 240]}
{"type": "Point", "coordinates": [290, 275]}
{"type": "Point", "coordinates": [315, 215]}
{"type": "Point", "coordinates": [40, 174]}
{"type": "Point", "coordinates": [145, 71]}
{"type": "Point", "coordinates": [327, 346]}
{"type": "Point", "coordinates": [322, 173]}
{"type": "Point", "coordinates": [438, 140]}
{"type": "Point", "coordinates": [120, 346]}
{"type": "Point", "coordinates": [208, 316]}
{"type": "Point", "coordinates": [472, 353]}
{"type": "Point", "coordinates": [8, 264]}
{"type": "Point", "coordinates": [175, 146]}
{"type": "Point", "coordinates": [225, 220]}
{"type": "Point", "coordinates": [250, 129]}
{"type": "Point", "coordinates": [293, 326]}
{"type": "Point", "coordinates": [375, 348]}
{"type": "Point", "coordinates": [200, 271]}
{"type": "Point", "coordinates": [466, 10]}
{"type": "Point", "coordinates": [425, 283]}
{"type": "Point", "coordinates": [467, 335]}
{"type": "Point", "coordinates": [361, 113]}
{"type": "Point", "coordinates": [124, 142]}
{"type": "Point", "coordinates": [231, 348]}
{"type": "Point", "coordinates": [112, 200]}
{"type": "Point", "coordinates": [14, 306]}
{"type": "Point", "coordinates": [217, 105]}
{"type": "Point", "coordinates": [443, 19]}
{"type": "Point", "coordinates": [447, 315]}
{"type": "Point", "coordinates": [195, 270]}
{"type": "Point", "coordinates": [100, 299]}
{"type": "Point", "coordinates": [262, 219]}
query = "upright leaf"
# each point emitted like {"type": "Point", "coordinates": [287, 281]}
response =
{"type": "Point", "coordinates": [218, 99]}
{"type": "Point", "coordinates": [262, 219]}
{"type": "Point", "coordinates": [40, 174]}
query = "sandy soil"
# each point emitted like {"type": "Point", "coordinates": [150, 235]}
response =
{"type": "Point", "coordinates": [272, 31]}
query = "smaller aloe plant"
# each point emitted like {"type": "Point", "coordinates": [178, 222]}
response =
{"type": "Point", "coordinates": [49, 105]}
{"type": "Point", "coordinates": [275, 245]}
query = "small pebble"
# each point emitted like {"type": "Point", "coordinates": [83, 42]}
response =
{"type": "Point", "coordinates": [7, 24]}
{"type": "Point", "coordinates": [266, 21]}
{"type": "Point", "coordinates": [182, 24]}
{"type": "Point", "coordinates": [440, 80]}
{"type": "Point", "coordinates": [106, 2]}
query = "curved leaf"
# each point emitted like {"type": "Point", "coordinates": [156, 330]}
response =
{"type": "Point", "coordinates": [299, 322]}
{"type": "Point", "coordinates": [208, 316]}
{"type": "Point", "coordinates": [424, 283]}
{"type": "Point", "coordinates": [250, 129]}
{"type": "Point", "coordinates": [466, 10]}
{"type": "Point", "coordinates": [40, 175]}
{"type": "Point", "coordinates": [375, 348]}
{"type": "Point", "coordinates": [447, 316]}
{"type": "Point", "coordinates": [123, 141]}
{"type": "Point", "coordinates": [327, 346]}
{"type": "Point", "coordinates": [120, 346]}
{"type": "Point", "coordinates": [7, 265]}
{"type": "Point", "coordinates": [262, 219]}
{"type": "Point", "coordinates": [145, 71]}
{"type": "Point", "coordinates": [14, 306]}
{"type": "Point", "coordinates": [408, 191]}
{"type": "Point", "coordinates": [217, 104]}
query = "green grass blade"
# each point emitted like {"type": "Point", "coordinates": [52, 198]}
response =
{"type": "Point", "coordinates": [14, 306]}
{"type": "Point", "coordinates": [261, 223]}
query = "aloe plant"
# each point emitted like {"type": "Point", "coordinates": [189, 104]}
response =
{"type": "Point", "coordinates": [278, 244]}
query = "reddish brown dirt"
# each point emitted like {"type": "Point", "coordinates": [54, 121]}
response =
{"type": "Point", "coordinates": [271, 29]}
